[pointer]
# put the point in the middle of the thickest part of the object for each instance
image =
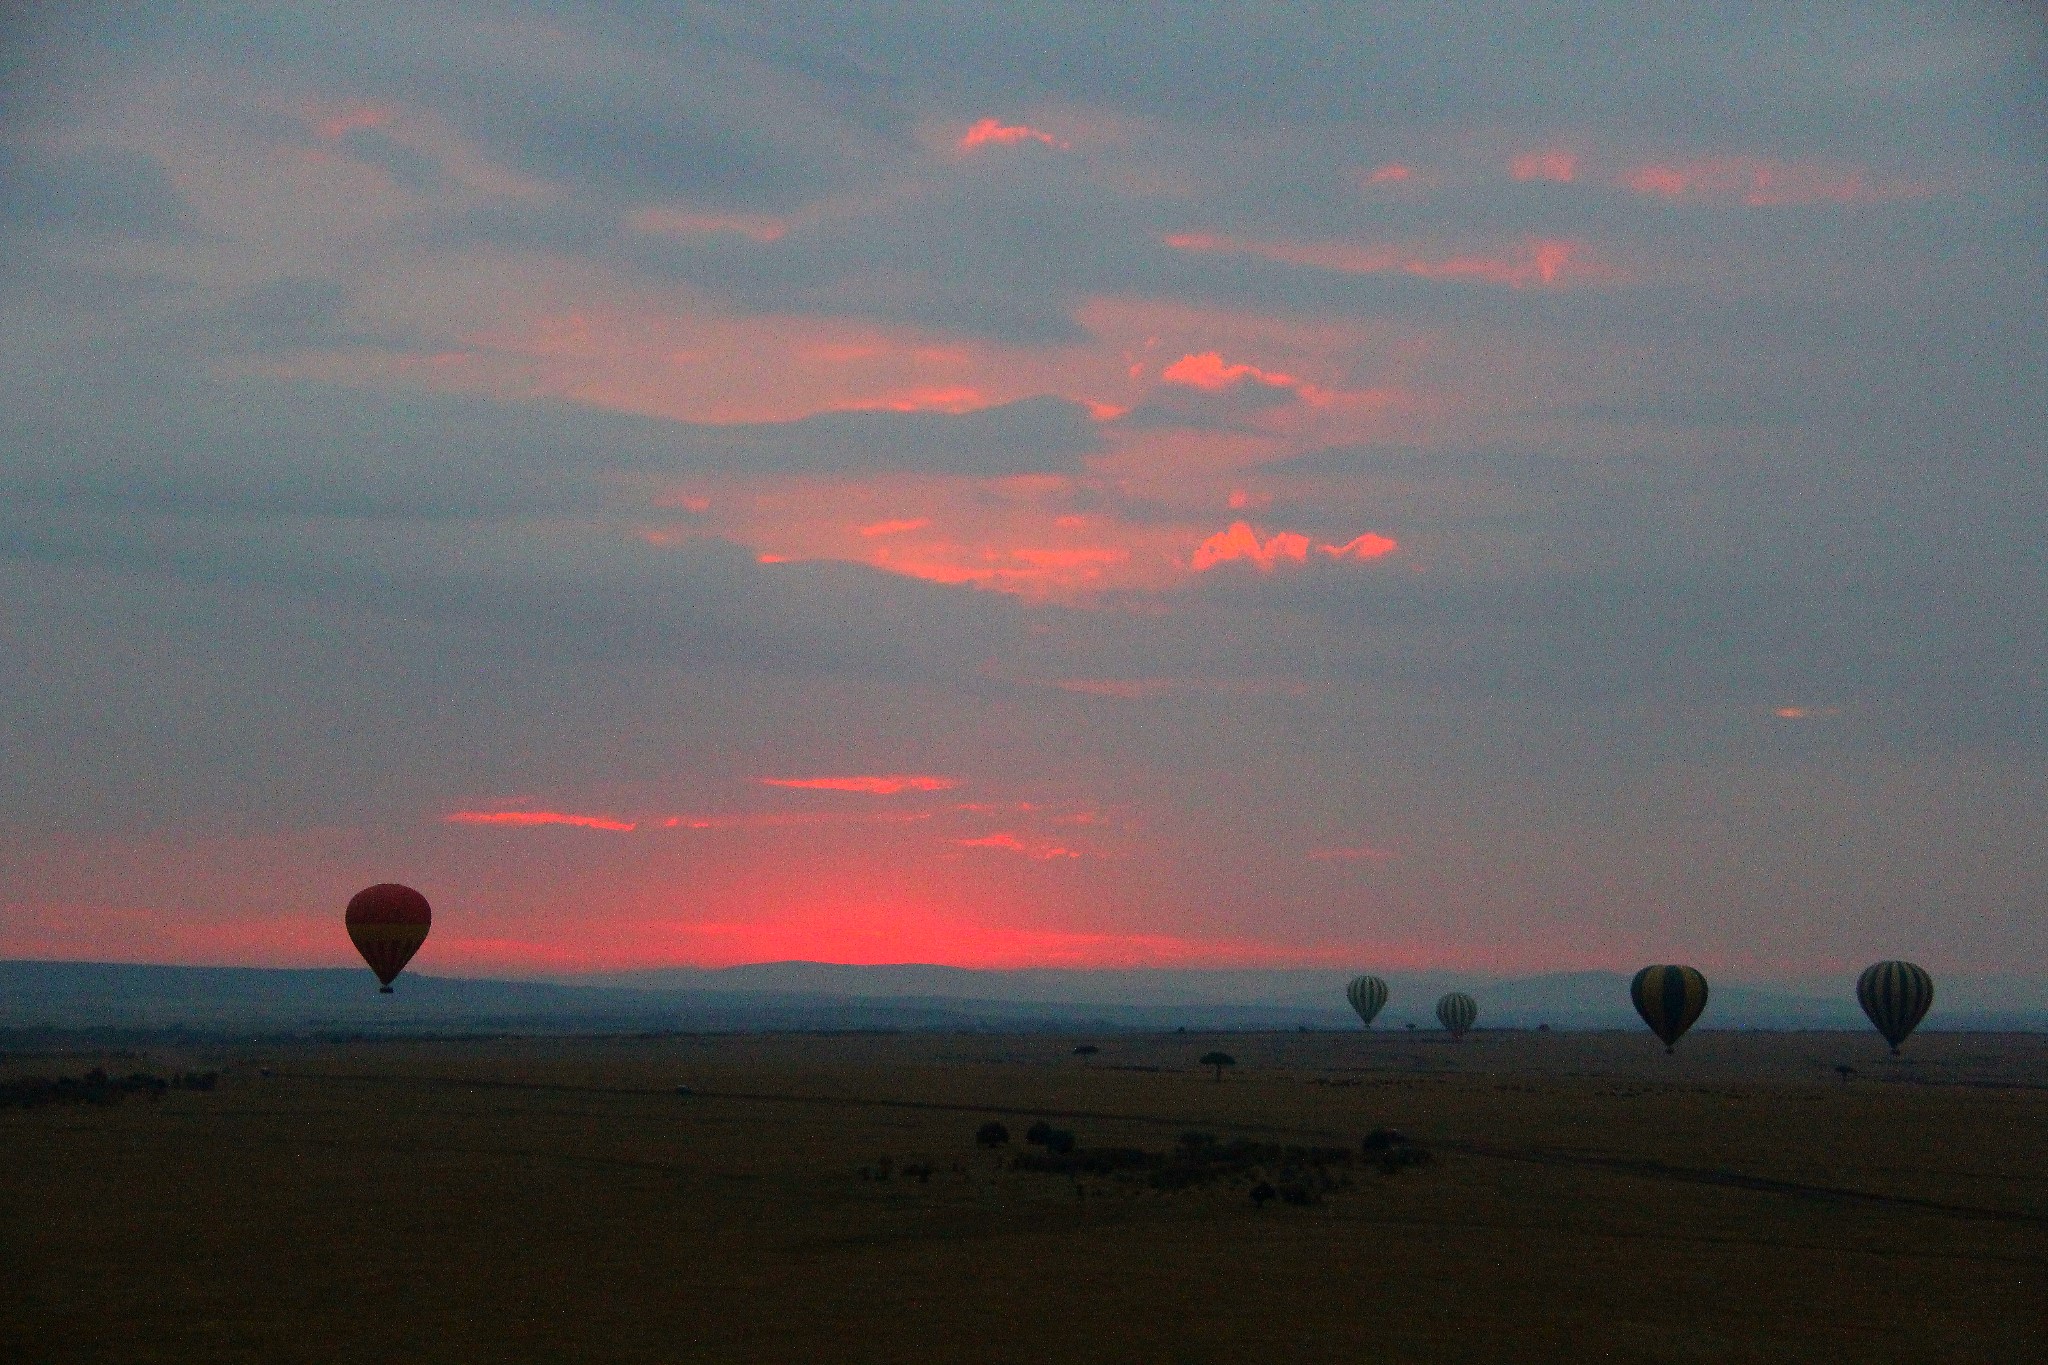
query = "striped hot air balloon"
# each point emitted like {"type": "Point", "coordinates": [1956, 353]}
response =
{"type": "Point", "coordinates": [388, 923]}
{"type": "Point", "coordinates": [1669, 999]}
{"type": "Point", "coordinates": [1456, 1012]}
{"type": "Point", "coordinates": [1367, 994]}
{"type": "Point", "coordinates": [1895, 995]}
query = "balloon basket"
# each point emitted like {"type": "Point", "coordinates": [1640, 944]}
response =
{"type": "Point", "coordinates": [385, 990]}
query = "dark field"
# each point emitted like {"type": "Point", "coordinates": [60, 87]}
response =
{"type": "Point", "coordinates": [1585, 1198]}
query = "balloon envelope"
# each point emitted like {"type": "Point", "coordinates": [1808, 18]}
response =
{"type": "Point", "coordinates": [388, 923]}
{"type": "Point", "coordinates": [1456, 1012]}
{"type": "Point", "coordinates": [1895, 995]}
{"type": "Point", "coordinates": [1670, 999]}
{"type": "Point", "coordinates": [1367, 995]}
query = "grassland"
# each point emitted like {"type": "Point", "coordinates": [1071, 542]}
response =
{"type": "Point", "coordinates": [1589, 1199]}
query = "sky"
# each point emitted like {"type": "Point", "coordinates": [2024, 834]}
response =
{"type": "Point", "coordinates": [1502, 488]}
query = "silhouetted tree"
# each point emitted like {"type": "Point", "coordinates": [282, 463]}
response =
{"type": "Point", "coordinates": [1218, 1060]}
{"type": "Point", "coordinates": [1059, 1141]}
{"type": "Point", "coordinates": [991, 1135]}
{"type": "Point", "coordinates": [1037, 1133]}
{"type": "Point", "coordinates": [1086, 1050]}
{"type": "Point", "coordinates": [1261, 1192]}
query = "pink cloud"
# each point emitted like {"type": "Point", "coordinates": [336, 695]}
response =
{"type": "Point", "coordinates": [1806, 712]}
{"type": "Point", "coordinates": [1242, 543]}
{"type": "Point", "coordinates": [1010, 843]}
{"type": "Point", "coordinates": [955, 399]}
{"type": "Point", "coordinates": [1208, 372]}
{"type": "Point", "coordinates": [526, 818]}
{"type": "Point", "coordinates": [1367, 546]}
{"type": "Point", "coordinates": [759, 820]}
{"type": "Point", "coordinates": [882, 784]}
{"type": "Point", "coordinates": [994, 133]}
{"type": "Point", "coordinates": [331, 124]}
{"type": "Point", "coordinates": [1393, 173]}
{"type": "Point", "coordinates": [1534, 262]}
{"type": "Point", "coordinates": [894, 528]}
{"type": "Point", "coordinates": [672, 222]}
{"type": "Point", "coordinates": [1125, 689]}
{"type": "Point", "coordinates": [1560, 166]}
{"type": "Point", "coordinates": [1359, 854]}
{"type": "Point", "coordinates": [1761, 182]}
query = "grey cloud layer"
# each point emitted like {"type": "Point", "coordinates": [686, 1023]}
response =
{"type": "Point", "coordinates": [1797, 457]}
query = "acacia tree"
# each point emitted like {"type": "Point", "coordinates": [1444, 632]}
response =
{"type": "Point", "coordinates": [1219, 1060]}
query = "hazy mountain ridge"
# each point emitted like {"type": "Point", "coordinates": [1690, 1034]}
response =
{"type": "Point", "coordinates": [810, 995]}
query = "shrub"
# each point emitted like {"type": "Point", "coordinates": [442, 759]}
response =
{"type": "Point", "coordinates": [1394, 1151]}
{"type": "Point", "coordinates": [991, 1135]}
{"type": "Point", "coordinates": [1218, 1060]}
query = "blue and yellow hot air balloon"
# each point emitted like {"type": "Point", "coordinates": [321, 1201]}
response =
{"type": "Point", "coordinates": [1669, 998]}
{"type": "Point", "coordinates": [1895, 995]}
{"type": "Point", "coordinates": [1367, 994]}
{"type": "Point", "coordinates": [1456, 1012]}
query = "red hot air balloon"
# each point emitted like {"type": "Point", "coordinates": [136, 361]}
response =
{"type": "Point", "coordinates": [388, 923]}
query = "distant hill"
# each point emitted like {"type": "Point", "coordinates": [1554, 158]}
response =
{"type": "Point", "coordinates": [74, 996]}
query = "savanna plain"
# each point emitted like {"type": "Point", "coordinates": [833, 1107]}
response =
{"type": "Point", "coordinates": [844, 1198]}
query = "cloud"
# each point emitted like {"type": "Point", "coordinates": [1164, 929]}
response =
{"type": "Point", "coordinates": [991, 132]}
{"type": "Point", "coordinates": [1764, 182]}
{"type": "Point", "coordinates": [331, 123]}
{"type": "Point", "coordinates": [1559, 166]}
{"type": "Point", "coordinates": [674, 222]}
{"type": "Point", "coordinates": [884, 784]}
{"type": "Point", "coordinates": [1208, 372]}
{"type": "Point", "coordinates": [1531, 263]}
{"type": "Point", "coordinates": [522, 819]}
{"type": "Point", "coordinates": [1368, 546]}
{"type": "Point", "coordinates": [895, 528]}
{"type": "Point", "coordinates": [1240, 543]}
{"type": "Point", "coordinates": [1356, 854]}
{"type": "Point", "coordinates": [1010, 843]}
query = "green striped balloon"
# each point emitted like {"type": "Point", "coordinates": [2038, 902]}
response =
{"type": "Point", "coordinates": [1895, 995]}
{"type": "Point", "coordinates": [1367, 995]}
{"type": "Point", "coordinates": [1456, 1012]}
{"type": "Point", "coordinates": [1670, 999]}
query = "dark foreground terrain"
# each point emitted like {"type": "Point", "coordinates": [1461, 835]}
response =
{"type": "Point", "coordinates": [825, 1198]}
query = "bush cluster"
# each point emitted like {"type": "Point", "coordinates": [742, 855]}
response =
{"type": "Point", "coordinates": [1291, 1173]}
{"type": "Point", "coordinates": [97, 1087]}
